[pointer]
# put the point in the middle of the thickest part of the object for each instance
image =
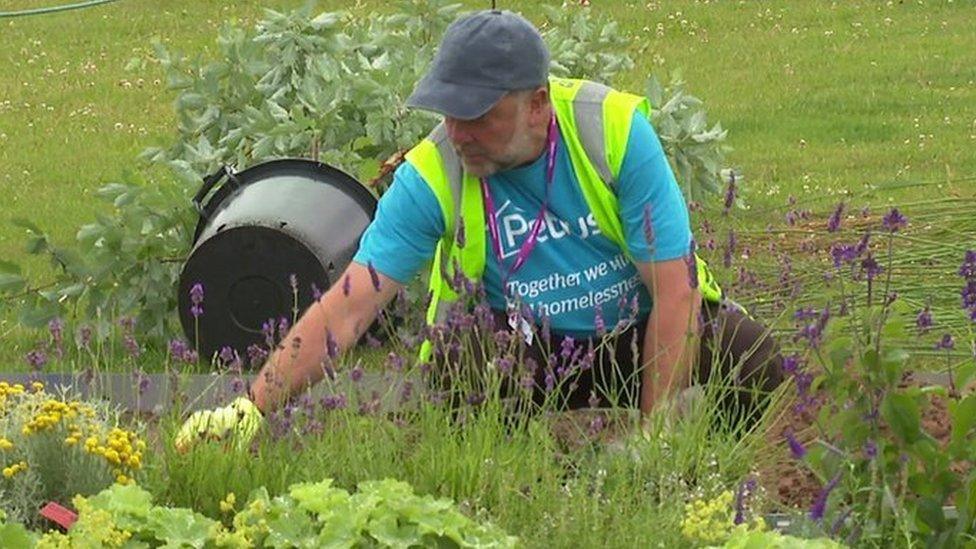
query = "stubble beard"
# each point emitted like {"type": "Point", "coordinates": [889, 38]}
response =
{"type": "Point", "coordinates": [513, 155]}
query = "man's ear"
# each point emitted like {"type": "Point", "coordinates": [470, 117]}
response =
{"type": "Point", "coordinates": [539, 105]}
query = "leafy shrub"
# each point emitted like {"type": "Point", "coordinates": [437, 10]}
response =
{"type": "Point", "coordinates": [52, 448]}
{"type": "Point", "coordinates": [381, 513]}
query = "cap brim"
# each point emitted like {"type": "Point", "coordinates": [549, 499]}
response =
{"type": "Point", "coordinates": [457, 101]}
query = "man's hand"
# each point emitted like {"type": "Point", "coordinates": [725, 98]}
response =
{"type": "Point", "coordinates": [239, 420]}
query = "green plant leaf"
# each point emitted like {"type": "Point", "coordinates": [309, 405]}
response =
{"type": "Point", "coordinates": [903, 416]}
{"type": "Point", "coordinates": [11, 283]}
{"type": "Point", "coordinates": [963, 414]}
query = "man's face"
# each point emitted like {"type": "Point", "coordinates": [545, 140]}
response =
{"type": "Point", "coordinates": [496, 141]}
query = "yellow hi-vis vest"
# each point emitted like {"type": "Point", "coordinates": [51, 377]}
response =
{"type": "Point", "coordinates": [594, 121]}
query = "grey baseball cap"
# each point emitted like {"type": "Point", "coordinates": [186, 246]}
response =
{"type": "Point", "coordinates": [482, 57]}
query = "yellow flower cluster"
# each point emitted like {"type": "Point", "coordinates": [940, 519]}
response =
{"type": "Point", "coordinates": [14, 468]}
{"type": "Point", "coordinates": [709, 521]}
{"type": "Point", "coordinates": [121, 449]}
{"type": "Point", "coordinates": [53, 411]}
{"type": "Point", "coordinates": [6, 390]}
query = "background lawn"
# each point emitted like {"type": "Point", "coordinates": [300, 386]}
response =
{"type": "Point", "coordinates": [820, 99]}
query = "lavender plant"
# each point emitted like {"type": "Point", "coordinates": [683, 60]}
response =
{"type": "Point", "coordinates": [886, 478]}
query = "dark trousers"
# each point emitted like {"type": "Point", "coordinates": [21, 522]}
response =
{"type": "Point", "coordinates": [734, 350]}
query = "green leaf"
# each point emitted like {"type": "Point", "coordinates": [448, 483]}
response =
{"type": "Point", "coordinates": [903, 416]}
{"type": "Point", "coordinates": [13, 534]}
{"type": "Point", "coordinates": [963, 414]}
{"type": "Point", "coordinates": [130, 500]}
{"type": "Point", "coordinates": [11, 283]}
{"type": "Point", "coordinates": [179, 527]}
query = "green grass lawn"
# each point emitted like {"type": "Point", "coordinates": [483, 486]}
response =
{"type": "Point", "coordinates": [820, 99]}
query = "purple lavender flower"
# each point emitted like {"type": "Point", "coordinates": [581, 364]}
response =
{"type": "Point", "coordinates": [331, 346]}
{"type": "Point", "coordinates": [842, 254]}
{"type": "Point", "coordinates": [805, 313]}
{"type": "Point", "coordinates": [131, 346]}
{"type": "Point", "coordinates": [870, 449]}
{"type": "Point", "coordinates": [947, 343]}
{"type": "Point", "coordinates": [870, 267]}
{"type": "Point", "coordinates": [692, 263]}
{"type": "Point", "coordinates": [791, 364]}
{"type": "Point", "coordinates": [459, 237]}
{"type": "Point", "coordinates": [968, 295]}
{"type": "Point", "coordinates": [267, 329]}
{"type": "Point", "coordinates": [372, 342]}
{"type": "Point", "coordinates": [36, 358]}
{"type": "Point", "coordinates": [142, 382]}
{"type": "Point", "coordinates": [293, 282]}
{"type": "Point", "coordinates": [256, 355]}
{"type": "Point", "coordinates": [128, 324]}
{"type": "Point", "coordinates": [238, 386]}
{"type": "Point", "coordinates": [550, 381]}
{"type": "Point", "coordinates": [177, 349]}
{"type": "Point", "coordinates": [820, 505]}
{"type": "Point", "coordinates": [374, 276]}
{"type": "Point", "coordinates": [566, 347]}
{"type": "Point", "coordinates": [862, 245]}
{"type": "Point", "coordinates": [797, 450]}
{"type": "Point", "coordinates": [475, 399]}
{"type": "Point", "coordinates": [356, 374]}
{"type": "Point", "coordinates": [505, 365]}
{"type": "Point", "coordinates": [894, 220]}
{"type": "Point", "coordinates": [283, 326]}
{"type": "Point", "coordinates": [316, 292]}
{"type": "Point", "coordinates": [924, 320]}
{"type": "Point", "coordinates": [395, 362]}
{"type": "Point", "coordinates": [833, 224]}
{"type": "Point", "coordinates": [196, 300]}
{"type": "Point", "coordinates": [791, 217]}
{"type": "Point", "coordinates": [56, 328]}
{"type": "Point", "coordinates": [730, 193]}
{"type": "Point", "coordinates": [598, 323]}
{"type": "Point", "coordinates": [406, 393]}
{"type": "Point", "coordinates": [648, 226]}
{"type": "Point", "coordinates": [968, 268]}
{"type": "Point", "coordinates": [85, 337]}
{"type": "Point", "coordinates": [729, 252]}
{"type": "Point", "coordinates": [746, 488]}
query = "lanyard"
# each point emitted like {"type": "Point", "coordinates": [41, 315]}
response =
{"type": "Point", "coordinates": [529, 244]}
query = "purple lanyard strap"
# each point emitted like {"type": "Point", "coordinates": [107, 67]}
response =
{"type": "Point", "coordinates": [530, 242]}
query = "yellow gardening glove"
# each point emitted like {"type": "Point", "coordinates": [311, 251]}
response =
{"type": "Point", "coordinates": [239, 420]}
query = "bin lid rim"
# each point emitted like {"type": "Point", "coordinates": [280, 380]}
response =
{"type": "Point", "coordinates": [315, 170]}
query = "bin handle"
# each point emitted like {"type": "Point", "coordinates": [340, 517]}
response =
{"type": "Point", "coordinates": [208, 184]}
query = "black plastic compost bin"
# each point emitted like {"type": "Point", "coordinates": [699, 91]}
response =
{"type": "Point", "coordinates": [258, 228]}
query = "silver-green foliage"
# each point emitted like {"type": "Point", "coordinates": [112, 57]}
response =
{"type": "Point", "coordinates": [331, 86]}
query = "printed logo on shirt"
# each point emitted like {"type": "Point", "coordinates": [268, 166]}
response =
{"type": "Point", "coordinates": [516, 225]}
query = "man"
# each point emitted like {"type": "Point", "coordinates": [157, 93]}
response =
{"type": "Point", "coordinates": [554, 194]}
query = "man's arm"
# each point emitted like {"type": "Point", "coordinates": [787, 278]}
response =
{"type": "Point", "coordinates": [671, 339]}
{"type": "Point", "coordinates": [298, 362]}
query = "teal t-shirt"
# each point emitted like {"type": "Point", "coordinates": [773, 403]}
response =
{"type": "Point", "coordinates": [573, 268]}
